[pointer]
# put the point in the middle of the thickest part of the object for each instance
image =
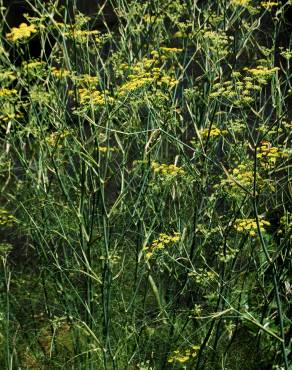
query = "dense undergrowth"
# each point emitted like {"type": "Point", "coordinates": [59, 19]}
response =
{"type": "Point", "coordinates": [144, 178]}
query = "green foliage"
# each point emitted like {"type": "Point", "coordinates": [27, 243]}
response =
{"type": "Point", "coordinates": [145, 185]}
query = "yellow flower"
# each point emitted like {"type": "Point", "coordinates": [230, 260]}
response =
{"type": "Point", "coordinates": [165, 169]}
{"type": "Point", "coordinates": [105, 149]}
{"type": "Point", "coordinates": [33, 64]}
{"type": "Point", "coordinates": [262, 73]}
{"type": "Point", "coordinates": [145, 73]}
{"type": "Point", "coordinates": [60, 72]}
{"type": "Point", "coordinates": [6, 219]}
{"type": "Point", "coordinates": [135, 84]}
{"type": "Point", "coordinates": [82, 36]}
{"type": "Point", "coordinates": [160, 243]}
{"type": "Point", "coordinates": [182, 359]}
{"type": "Point", "coordinates": [149, 18]}
{"type": "Point", "coordinates": [55, 138]}
{"type": "Point", "coordinates": [250, 225]}
{"type": "Point", "coordinates": [268, 154]}
{"type": "Point", "coordinates": [243, 3]}
{"type": "Point", "coordinates": [7, 75]}
{"type": "Point", "coordinates": [10, 116]}
{"type": "Point", "coordinates": [269, 4]}
{"type": "Point", "coordinates": [170, 50]}
{"type": "Point", "coordinates": [149, 255]}
{"type": "Point", "coordinates": [184, 355]}
{"type": "Point", "coordinates": [22, 32]}
{"type": "Point", "coordinates": [95, 97]}
{"type": "Point", "coordinates": [7, 92]}
{"type": "Point", "coordinates": [213, 132]}
{"type": "Point", "coordinates": [87, 80]}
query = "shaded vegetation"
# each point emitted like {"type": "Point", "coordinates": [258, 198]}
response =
{"type": "Point", "coordinates": [145, 186]}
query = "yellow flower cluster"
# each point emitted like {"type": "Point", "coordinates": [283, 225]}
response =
{"type": "Point", "coordinates": [167, 81]}
{"type": "Point", "coordinates": [105, 149]}
{"type": "Point", "coordinates": [76, 32]}
{"type": "Point", "coordinates": [216, 38]}
{"type": "Point", "coordinates": [55, 138]}
{"type": "Point", "coordinates": [226, 255]}
{"type": "Point", "coordinates": [135, 83]}
{"type": "Point", "coordinates": [59, 73]}
{"type": "Point", "coordinates": [146, 72]}
{"type": "Point", "coordinates": [214, 132]}
{"type": "Point", "coordinates": [250, 225]}
{"type": "Point", "coordinates": [243, 3]}
{"type": "Point", "coordinates": [148, 18]}
{"type": "Point", "coordinates": [7, 76]}
{"type": "Point", "coordinates": [86, 80]}
{"type": "Point", "coordinates": [238, 92]}
{"type": "Point", "coordinates": [170, 50]}
{"type": "Point", "coordinates": [201, 276]}
{"type": "Point", "coordinates": [82, 36]}
{"type": "Point", "coordinates": [22, 32]}
{"type": "Point", "coordinates": [6, 219]}
{"type": "Point", "coordinates": [286, 53]}
{"type": "Point", "coordinates": [240, 89]}
{"type": "Point", "coordinates": [165, 169]}
{"type": "Point", "coordinates": [33, 64]}
{"type": "Point", "coordinates": [184, 356]}
{"type": "Point", "coordinates": [269, 4]}
{"type": "Point", "coordinates": [40, 95]}
{"type": "Point", "coordinates": [95, 97]}
{"type": "Point", "coordinates": [138, 162]}
{"type": "Point", "coordinates": [242, 175]}
{"type": "Point", "coordinates": [7, 92]}
{"type": "Point", "coordinates": [10, 116]}
{"type": "Point", "coordinates": [262, 74]}
{"type": "Point", "coordinates": [160, 243]}
{"type": "Point", "coordinates": [268, 154]}
{"type": "Point", "coordinates": [34, 68]}
{"type": "Point", "coordinates": [217, 42]}
{"type": "Point", "coordinates": [238, 179]}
